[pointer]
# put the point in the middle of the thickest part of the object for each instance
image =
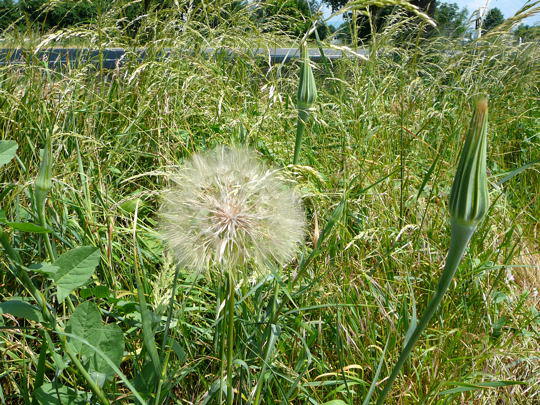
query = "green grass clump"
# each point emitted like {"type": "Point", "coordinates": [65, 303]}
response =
{"type": "Point", "coordinates": [378, 158]}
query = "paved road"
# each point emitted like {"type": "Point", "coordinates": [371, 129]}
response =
{"type": "Point", "coordinates": [111, 58]}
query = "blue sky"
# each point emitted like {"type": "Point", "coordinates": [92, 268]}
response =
{"type": "Point", "coordinates": [508, 8]}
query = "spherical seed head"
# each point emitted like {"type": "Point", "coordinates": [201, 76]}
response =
{"type": "Point", "coordinates": [226, 208]}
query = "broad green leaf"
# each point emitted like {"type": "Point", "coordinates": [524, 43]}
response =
{"type": "Point", "coordinates": [111, 343]}
{"type": "Point", "coordinates": [86, 324]}
{"type": "Point", "coordinates": [336, 402]}
{"type": "Point", "coordinates": [43, 268]}
{"type": "Point", "coordinates": [7, 151]}
{"type": "Point", "coordinates": [27, 227]}
{"type": "Point", "coordinates": [100, 291]}
{"type": "Point", "coordinates": [57, 394]}
{"type": "Point", "coordinates": [74, 268]}
{"type": "Point", "coordinates": [3, 216]}
{"type": "Point", "coordinates": [21, 309]}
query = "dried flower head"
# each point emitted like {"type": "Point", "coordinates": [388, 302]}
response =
{"type": "Point", "coordinates": [227, 208]}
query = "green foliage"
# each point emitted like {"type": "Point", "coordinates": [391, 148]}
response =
{"type": "Point", "coordinates": [8, 149]}
{"type": "Point", "coordinates": [451, 20]}
{"type": "Point", "coordinates": [27, 227]}
{"type": "Point", "coordinates": [493, 18]}
{"type": "Point", "coordinates": [291, 17]}
{"type": "Point", "coordinates": [376, 173]}
{"type": "Point", "coordinates": [85, 323]}
{"type": "Point", "coordinates": [528, 33]}
{"type": "Point", "coordinates": [9, 14]}
{"type": "Point", "coordinates": [21, 309]}
{"type": "Point", "coordinates": [62, 14]}
{"type": "Point", "coordinates": [74, 268]}
{"type": "Point", "coordinates": [57, 394]}
{"type": "Point", "coordinates": [373, 15]}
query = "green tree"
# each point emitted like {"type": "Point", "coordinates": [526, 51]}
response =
{"type": "Point", "coordinates": [528, 33]}
{"type": "Point", "coordinates": [378, 16]}
{"type": "Point", "coordinates": [292, 17]}
{"type": "Point", "coordinates": [9, 13]}
{"type": "Point", "coordinates": [451, 20]}
{"type": "Point", "coordinates": [493, 18]}
{"type": "Point", "coordinates": [60, 14]}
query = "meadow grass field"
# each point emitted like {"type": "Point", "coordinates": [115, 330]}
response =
{"type": "Point", "coordinates": [94, 152]}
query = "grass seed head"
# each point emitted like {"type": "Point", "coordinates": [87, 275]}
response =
{"type": "Point", "coordinates": [226, 208]}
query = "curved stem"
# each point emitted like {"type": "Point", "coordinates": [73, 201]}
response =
{"type": "Point", "coordinates": [461, 234]}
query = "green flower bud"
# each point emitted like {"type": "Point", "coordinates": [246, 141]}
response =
{"type": "Point", "coordinates": [307, 89]}
{"type": "Point", "coordinates": [43, 182]}
{"type": "Point", "coordinates": [469, 196]}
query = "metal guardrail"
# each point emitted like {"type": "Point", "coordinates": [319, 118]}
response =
{"type": "Point", "coordinates": [111, 58]}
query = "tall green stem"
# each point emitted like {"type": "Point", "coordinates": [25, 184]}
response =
{"type": "Point", "coordinates": [461, 234]}
{"type": "Point", "coordinates": [166, 335]}
{"type": "Point", "coordinates": [147, 330]}
{"type": "Point", "coordinates": [303, 116]}
{"type": "Point", "coordinates": [230, 337]}
{"type": "Point", "coordinates": [268, 347]}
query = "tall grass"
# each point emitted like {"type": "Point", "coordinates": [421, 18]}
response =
{"type": "Point", "coordinates": [377, 163]}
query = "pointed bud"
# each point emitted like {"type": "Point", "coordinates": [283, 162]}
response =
{"type": "Point", "coordinates": [44, 180]}
{"type": "Point", "coordinates": [469, 196]}
{"type": "Point", "coordinates": [307, 89]}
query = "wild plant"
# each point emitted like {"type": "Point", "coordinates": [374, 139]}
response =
{"type": "Point", "coordinates": [305, 98]}
{"type": "Point", "coordinates": [468, 205]}
{"type": "Point", "coordinates": [229, 215]}
{"type": "Point", "coordinates": [375, 176]}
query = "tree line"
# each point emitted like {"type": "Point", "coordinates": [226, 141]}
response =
{"type": "Point", "coordinates": [290, 17]}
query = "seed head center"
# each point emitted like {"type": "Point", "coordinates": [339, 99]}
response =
{"type": "Point", "coordinates": [230, 218]}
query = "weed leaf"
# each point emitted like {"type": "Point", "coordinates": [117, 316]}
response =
{"type": "Point", "coordinates": [464, 387]}
{"type": "Point", "coordinates": [74, 268]}
{"type": "Point", "coordinates": [57, 394]}
{"type": "Point", "coordinates": [21, 309]}
{"type": "Point", "coordinates": [27, 227]}
{"type": "Point", "coordinates": [7, 151]}
{"type": "Point", "coordinates": [86, 324]}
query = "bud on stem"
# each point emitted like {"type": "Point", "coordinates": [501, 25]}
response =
{"type": "Point", "coordinates": [306, 97]}
{"type": "Point", "coordinates": [469, 196]}
{"type": "Point", "coordinates": [42, 187]}
{"type": "Point", "coordinates": [44, 179]}
{"type": "Point", "coordinates": [468, 206]}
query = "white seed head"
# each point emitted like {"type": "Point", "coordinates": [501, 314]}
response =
{"type": "Point", "coordinates": [226, 208]}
